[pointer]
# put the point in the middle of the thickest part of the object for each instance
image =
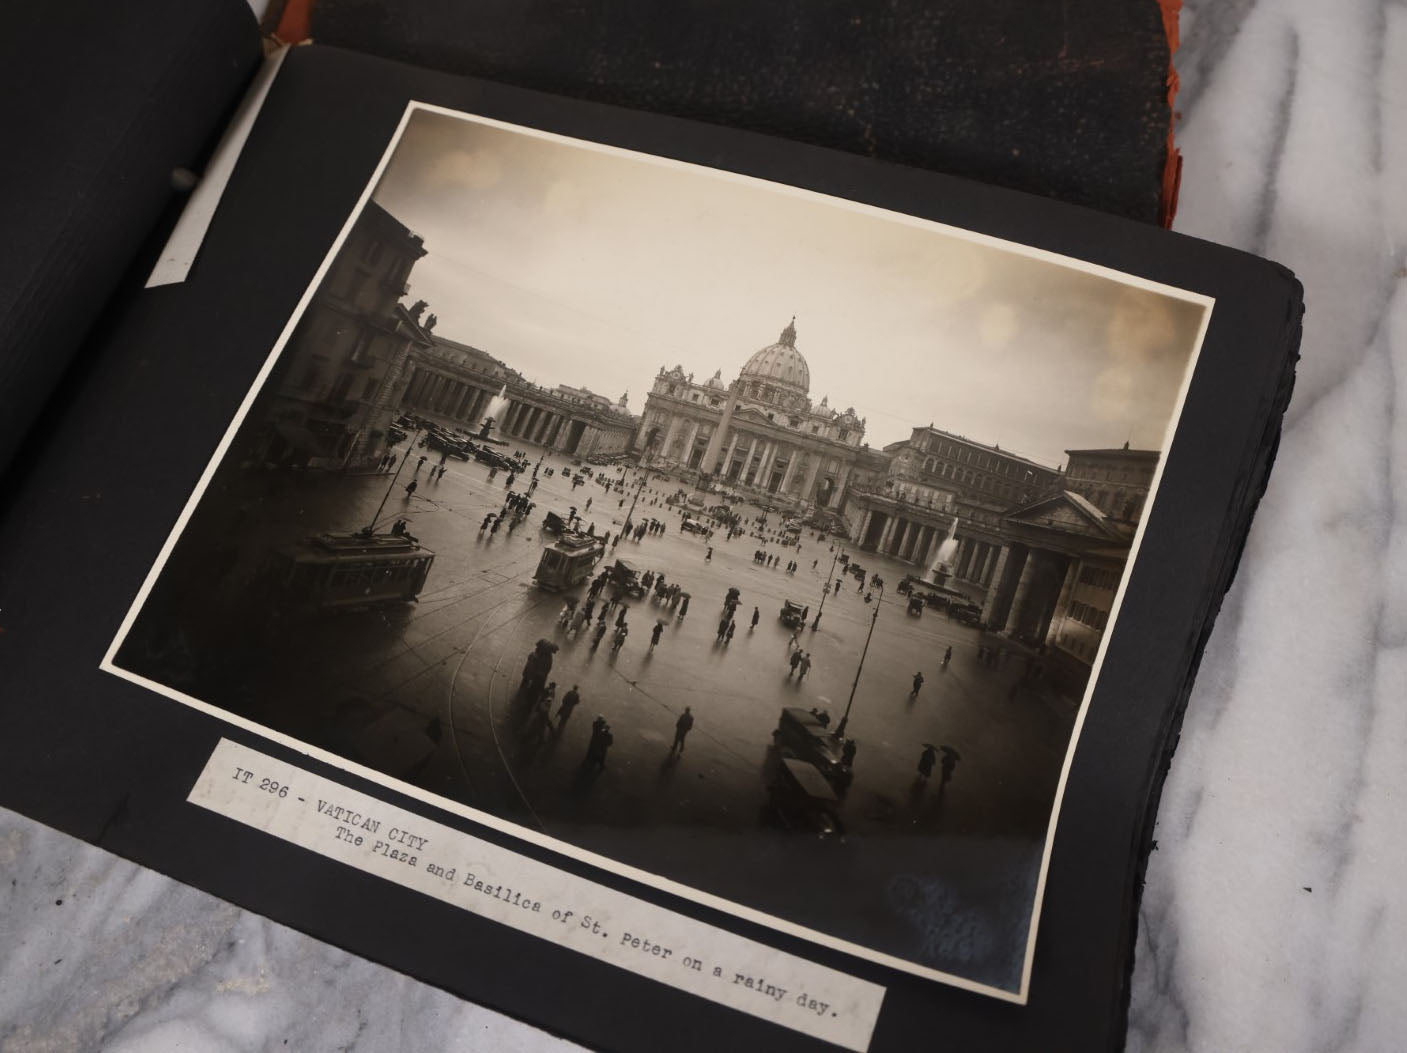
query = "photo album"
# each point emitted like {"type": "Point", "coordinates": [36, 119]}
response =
{"type": "Point", "coordinates": [642, 576]}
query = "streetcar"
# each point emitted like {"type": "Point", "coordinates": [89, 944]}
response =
{"type": "Point", "coordinates": [568, 561]}
{"type": "Point", "coordinates": [345, 571]}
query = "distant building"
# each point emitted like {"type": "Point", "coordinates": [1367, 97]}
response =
{"type": "Point", "coordinates": [760, 435]}
{"type": "Point", "coordinates": [1061, 559]}
{"type": "Point", "coordinates": [932, 479]}
{"type": "Point", "coordinates": [458, 385]}
{"type": "Point", "coordinates": [339, 378]}
{"type": "Point", "coordinates": [1114, 481]}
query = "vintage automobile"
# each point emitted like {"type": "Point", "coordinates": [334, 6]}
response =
{"type": "Point", "coordinates": [793, 615]}
{"type": "Point", "coordinates": [693, 526]}
{"type": "Point", "coordinates": [802, 800]}
{"type": "Point", "coordinates": [493, 458]}
{"type": "Point", "coordinates": [965, 613]}
{"type": "Point", "coordinates": [553, 523]}
{"type": "Point", "coordinates": [806, 735]}
{"type": "Point", "coordinates": [626, 579]}
{"type": "Point", "coordinates": [916, 606]}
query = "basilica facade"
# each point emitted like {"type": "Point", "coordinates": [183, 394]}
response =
{"type": "Point", "coordinates": [761, 435]}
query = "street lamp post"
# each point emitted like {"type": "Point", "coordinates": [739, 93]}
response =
{"type": "Point", "coordinates": [826, 590]}
{"type": "Point", "coordinates": [409, 446]}
{"type": "Point", "coordinates": [630, 516]}
{"type": "Point", "coordinates": [845, 720]}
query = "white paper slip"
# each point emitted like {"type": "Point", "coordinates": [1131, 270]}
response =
{"type": "Point", "coordinates": [535, 898]}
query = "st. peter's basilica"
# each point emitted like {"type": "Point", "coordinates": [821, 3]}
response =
{"type": "Point", "coordinates": [761, 435]}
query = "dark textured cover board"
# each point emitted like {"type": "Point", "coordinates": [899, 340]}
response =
{"type": "Point", "coordinates": [1068, 101]}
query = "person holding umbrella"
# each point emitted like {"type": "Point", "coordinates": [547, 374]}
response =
{"type": "Point", "coordinates": [656, 633]}
{"type": "Point", "coordinates": [948, 763]}
{"type": "Point", "coordinates": [926, 760]}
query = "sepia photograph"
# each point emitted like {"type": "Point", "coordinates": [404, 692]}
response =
{"type": "Point", "coordinates": [752, 544]}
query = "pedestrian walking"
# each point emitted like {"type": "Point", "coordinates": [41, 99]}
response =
{"type": "Point", "coordinates": [683, 606]}
{"type": "Point", "coordinates": [682, 727]}
{"type": "Point", "coordinates": [795, 661]}
{"type": "Point", "coordinates": [620, 618]}
{"type": "Point", "coordinates": [926, 760]}
{"type": "Point", "coordinates": [598, 634]}
{"type": "Point", "coordinates": [409, 489]}
{"type": "Point", "coordinates": [420, 463]}
{"type": "Point", "coordinates": [728, 635]}
{"type": "Point", "coordinates": [803, 666]}
{"type": "Point", "coordinates": [708, 556]}
{"type": "Point", "coordinates": [722, 627]}
{"type": "Point", "coordinates": [655, 634]}
{"type": "Point", "coordinates": [622, 631]}
{"type": "Point", "coordinates": [569, 702]}
{"type": "Point", "coordinates": [947, 656]}
{"type": "Point", "coordinates": [601, 740]}
{"type": "Point", "coordinates": [949, 762]}
{"type": "Point", "coordinates": [756, 616]}
{"type": "Point", "coordinates": [918, 683]}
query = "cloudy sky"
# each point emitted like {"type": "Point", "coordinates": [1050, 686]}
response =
{"type": "Point", "coordinates": [594, 268]}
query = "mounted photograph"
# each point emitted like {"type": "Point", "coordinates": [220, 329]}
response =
{"type": "Point", "coordinates": [746, 543]}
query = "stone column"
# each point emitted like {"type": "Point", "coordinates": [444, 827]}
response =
{"type": "Point", "coordinates": [747, 459]}
{"type": "Point", "coordinates": [859, 537]}
{"type": "Point", "coordinates": [728, 457]}
{"type": "Point", "coordinates": [808, 488]}
{"type": "Point", "coordinates": [764, 469]}
{"type": "Point", "coordinates": [930, 548]}
{"type": "Point", "coordinates": [669, 434]}
{"type": "Point", "coordinates": [901, 537]}
{"type": "Point", "coordinates": [1023, 590]}
{"type": "Point", "coordinates": [886, 536]}
{"type": "Point", "coordinates": [993, 558]}
{"type": "Point", "coordinates": [689, 443]}
{"type": "Point", "coordinates": [1062, 602]}
{"type": "Point", "coordinates": [840, 481]}
{"type": "Point", "coordinates": [990, 601]}
{"type": "Point", "coordinates": [792, 455]}
{"type": "Point", "coordinates": [709, 463]}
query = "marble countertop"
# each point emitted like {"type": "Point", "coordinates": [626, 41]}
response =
{"type": "Point", "coordinates": [1273, 916]}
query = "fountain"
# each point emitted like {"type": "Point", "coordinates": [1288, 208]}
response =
{"type": "Point", "coordinates": [942, 568]}
{"type": "Point", "coordinates": [496, 406]}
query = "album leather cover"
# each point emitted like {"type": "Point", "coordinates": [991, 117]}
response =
{"type": "Point", "coordinates": [660, 581]}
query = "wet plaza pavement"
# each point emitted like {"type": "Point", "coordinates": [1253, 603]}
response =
{"type": "Point", "coordinates": [939, 875]}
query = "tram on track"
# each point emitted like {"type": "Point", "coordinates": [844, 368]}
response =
{"type": "Point", "coordinates": [345, 571]}
{"type": "Point", "coordinates": [568, 560]}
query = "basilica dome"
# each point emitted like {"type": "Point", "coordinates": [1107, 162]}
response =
{"type": "Point", "coordinates": [780, 364]}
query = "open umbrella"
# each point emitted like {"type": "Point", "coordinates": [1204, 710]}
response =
{"type": "Point", "coordinates": [951, 752]}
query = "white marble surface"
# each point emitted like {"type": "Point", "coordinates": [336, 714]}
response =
{"type": "Point", "coordinates": [1274, 916]}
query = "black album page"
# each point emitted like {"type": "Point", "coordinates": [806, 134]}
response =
{"type": "Point", "coordinates": [549, 547]}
